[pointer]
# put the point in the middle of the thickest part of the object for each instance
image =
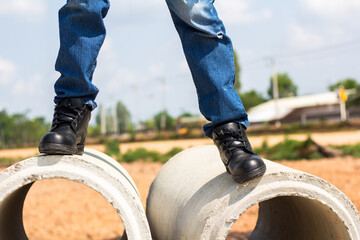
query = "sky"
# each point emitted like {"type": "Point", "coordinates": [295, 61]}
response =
{"type": "Point", "coordinates": [317, 42]}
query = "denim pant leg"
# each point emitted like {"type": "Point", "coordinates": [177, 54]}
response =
{"type": "Point", "coordinates": [209, 53]}
{"type": "Point", "coordinates": [82, 32]}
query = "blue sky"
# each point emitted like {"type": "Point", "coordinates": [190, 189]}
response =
{"type": "Point", "coordinates": [142, 47]}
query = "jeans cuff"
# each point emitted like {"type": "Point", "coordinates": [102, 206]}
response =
{"type": "Point", "coordinates": [91, 103]}
{"type": "Point", "coordinates": [208, 128]}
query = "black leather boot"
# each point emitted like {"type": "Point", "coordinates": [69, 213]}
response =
{"type": "Point", "coordinates": [69, 128]}
{"type": "Point", "coordinates": [236, 152]}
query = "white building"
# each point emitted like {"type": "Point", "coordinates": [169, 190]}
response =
{"type": "Point", "coordinates": [315, 107]}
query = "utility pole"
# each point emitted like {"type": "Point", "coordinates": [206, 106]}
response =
{"type": "Point", "coordinates": [342, 99]}
{"type": "Point", "coordinates": [136, 94]}
{"type": "Point", "coordinates": [2, 134]}
{"type": "Point", "coordinates": [163, 114]}
{"type": "Point", "coordinates": [275, 92]}
{"type": "Point", "coordinates": [115, 122]}
{"type": "Point", "coordinates": [102, 120]}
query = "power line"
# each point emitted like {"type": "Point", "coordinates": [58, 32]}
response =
{"type": "Point", "coordinates": [319, 50]}
{"type": "Point", "coordinates": [320, 55]}
{"type": "Point", "coordinates": [306, 52]}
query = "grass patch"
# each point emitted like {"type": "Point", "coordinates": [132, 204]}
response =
{"type": "Point", "coordinates": [291, 150]}
{"type": "Point", "coordinates": [139, 154]}
{"type": "Point", "coordinates": [143, 154]}
{"type": "Point", "coordinates": [112, 148]}
{"type": "Point", "coordinates": [353, 150]}
{"type": "Point", "coordinates": [6, 162]}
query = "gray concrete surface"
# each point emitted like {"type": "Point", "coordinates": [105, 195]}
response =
{"type": "Point", "coordinates": [192, 198]}
{"type": "Point", "coordinates": [93, 169]}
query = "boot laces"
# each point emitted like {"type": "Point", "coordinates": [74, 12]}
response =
{"type": "Point", "coordinates": [65, 114]}
{"type": "Point", "coordinates": [228, 137]}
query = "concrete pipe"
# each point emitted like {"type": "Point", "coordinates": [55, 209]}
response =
{"type": "Point", "coordinates": [93, 169]}
{"type": "Point", "coordinates": [192, 197]}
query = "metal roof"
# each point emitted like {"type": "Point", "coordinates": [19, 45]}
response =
{"type": "Point", "coordinates": [267, 111]}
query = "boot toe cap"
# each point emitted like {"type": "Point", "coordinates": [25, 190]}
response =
{"type": "Point", "coordinates": [246, 164]}
{"type": "Point", "coordinates": [56, 138]}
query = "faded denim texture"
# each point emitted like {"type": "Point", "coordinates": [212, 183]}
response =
{"type": "Point", "coordinates": [208, 51]}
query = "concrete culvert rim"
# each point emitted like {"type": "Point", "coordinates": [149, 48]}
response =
{"type": "Point", "coordinates": [279, 218]}
{"type": "Point", "coordinates": [280, 209]}
{"type": "Point", "coordinates": [98, 173]}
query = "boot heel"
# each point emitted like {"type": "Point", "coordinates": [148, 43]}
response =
{"type": "Point", "coordinates": [80, 149]}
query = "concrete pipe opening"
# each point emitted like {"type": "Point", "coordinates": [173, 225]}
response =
{"type": "Point", "coordinates": [291, 217]}
{"type": "Point", "coordinates": [205, 202]}
{"type": "Point", "coordinates": [62, 209]}
{"type": "Point", "coordinates": [94, 169]}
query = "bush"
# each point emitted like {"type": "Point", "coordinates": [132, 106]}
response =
{"type": "Point", "coordinates": [5, 162]}
{"type": "Point", "coordinates": [291, 150]}
{"type": "Point", "coordinates": [112, 148]}
{"type": "Point", "coordinates": [146, 155]}
{"type": "Point", "coordinates": [353, 150]}
{"type": "Point", "coordinates": [164, 158]}
{"type": "Point", "coordinates": [173, 151]}
{"type": "Point", "coordinates": [140, 154]}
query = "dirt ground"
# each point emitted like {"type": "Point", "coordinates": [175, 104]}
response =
{"type": "Point", "coordinates": [64, 210]}
{"type": "Point", "coordinates": [326, 139]}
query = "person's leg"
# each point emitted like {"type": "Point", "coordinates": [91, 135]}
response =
{"type": "Point", "coordinates": [82, 33]}
{"type": "Point", "coordinates": [210, 56]}
{"type": "Point", "coordinates": [209, 53]}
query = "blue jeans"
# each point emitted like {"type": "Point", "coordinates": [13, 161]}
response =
{"type": "Point", "coordinates": [208, 51]}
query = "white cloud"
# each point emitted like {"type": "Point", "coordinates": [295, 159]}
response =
{"type": "Point", "coordinates": [139, 10]}
{"type": "Point", "coordinates": [238, 11]}
{"type": "Point", "coordinates": [333, 8]}
{"type": "Point", "coordinates": [17, 86]}
{"type": "Point", "coordinates": [122, 76]}
{"type": "Point", "coordinates": [231, 11]}
{"type": "Point", "coordinates": [7, 71]}
{"type": "Point", "coordinates": [125, 5]}
{"type": "Point", "coordinates": [30, 9]}
{"type": "Point", "coordinates": [302, 38]}
{"type": "Point", "coordinates": [329, 22]}
{"type": "Point", "coordinates": [28, 87]}
{"type": "Point", "coordinates": [108, 45]}
{"type": "Point", "coordinates": [156, 69]}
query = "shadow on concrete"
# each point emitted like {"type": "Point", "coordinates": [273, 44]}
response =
{"type": "Point", "coordinates": [230, 236]}
{"type": "Point", "coordinates": [238, 236]}
{"type": "Point", "coordinates": [116, 238]}
{"type": "Point", "coordinates": [123, 237]}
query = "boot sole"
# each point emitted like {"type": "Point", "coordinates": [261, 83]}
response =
{"type": "Point", "coordinates": [60, 149]}
{"type": "Point", "coordinates": [258, 172]}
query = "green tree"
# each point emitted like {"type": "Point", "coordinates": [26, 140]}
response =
{"type": "Point", "coordinates": [148, 124]}
{"type": "Point", "coordinates": [170, 121]}
{"type": "Point", "coordinates": [237, 85]}
{"type": "Point", "coordinates": [123, 120]}
{"type": "Point", "coordinates": [354, 99]}
{"type": "Point", "coordinates": [286, 86]}
{"type": "Point", "coordinates": [123, 117]}
{"type": "Point", "coordinates": [348, 83]}
{"type": "Point", "coordinates": [186, 114]}
{"type": "Point", "coordinates": [18, 130]}
{"type": "Point", "coordinates": [5, 129]}
{"type": "Point", "coordinates": [251, 99]}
